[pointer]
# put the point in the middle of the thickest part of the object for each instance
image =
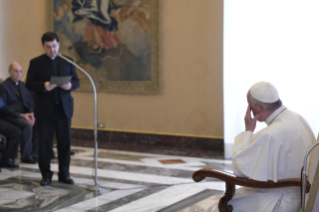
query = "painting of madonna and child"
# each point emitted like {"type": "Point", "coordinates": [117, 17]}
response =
{"type": "Point", "coordinates": [115, 41]}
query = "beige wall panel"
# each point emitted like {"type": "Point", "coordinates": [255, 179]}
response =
{"type": "Point", "coordinates": [21, 26]}
{"type": "Point", "coordinates": [191, 101]}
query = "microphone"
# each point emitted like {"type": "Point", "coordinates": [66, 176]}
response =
{"type": "Point", "coordinates": [96, 187]}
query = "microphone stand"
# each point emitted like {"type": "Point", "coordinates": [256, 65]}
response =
{"type": "Point", "coordinates": [96, 186]}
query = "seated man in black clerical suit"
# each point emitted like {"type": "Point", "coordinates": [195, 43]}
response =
{"type": "Point", "coordinates": [13, 137]}
{"type": "Point", "coordinates": [18, 111]}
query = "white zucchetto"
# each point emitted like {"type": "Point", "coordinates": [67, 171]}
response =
{"type": "Point", "coordinates": [264, 92]}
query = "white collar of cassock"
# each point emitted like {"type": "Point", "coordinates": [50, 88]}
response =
{"type": "Point", "coordinates": [16, 83]}
{"type": "Point", "coordinates": [274, 115]}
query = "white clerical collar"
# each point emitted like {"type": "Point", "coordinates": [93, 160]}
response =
{"type": "Point", "coordinates": [52, 58]}
{"type": "Point", "coordinates": [274, 115]}
{"type": "Point", "coordinates": [16, 83]}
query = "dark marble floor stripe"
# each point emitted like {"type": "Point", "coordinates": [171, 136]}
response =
{"type": "Point", "coordinates": [128, 199]}
{"type": "Point", "coordinates": [102, 178]}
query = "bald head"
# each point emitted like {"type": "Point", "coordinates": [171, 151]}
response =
{"type": "Point", "coordinates": [15, 71]}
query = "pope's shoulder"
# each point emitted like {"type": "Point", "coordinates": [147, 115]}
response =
{"type": "Point", "coordinates": [288, 122]}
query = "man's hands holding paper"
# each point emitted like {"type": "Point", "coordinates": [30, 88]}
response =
{"type": "Point", "coordinates": [50, 87]}
{"type": "Point", "coordinates": [66, 86]}
{"type": "Point", "coordinates": [29, 117]}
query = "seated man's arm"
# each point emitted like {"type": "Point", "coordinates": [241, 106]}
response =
{"type": "Point", "coordinates": [7, 109]}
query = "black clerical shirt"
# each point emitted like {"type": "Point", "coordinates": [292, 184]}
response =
{"type": "Point", "coordinates": [17, 91]}
{"type": "Point", "coordinates": [56, 72]}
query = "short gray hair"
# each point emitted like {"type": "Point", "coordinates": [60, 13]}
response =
{"type": "Point", "coordinates": [265, 106]}
{"type": "Point", "coordinates": [11, 64]}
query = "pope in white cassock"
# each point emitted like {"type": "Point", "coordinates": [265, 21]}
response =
{"type": "Point", "coordinates": [273, 153]}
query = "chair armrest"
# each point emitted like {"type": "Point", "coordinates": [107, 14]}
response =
{"type": "Point", "coordinates": [231, 180]}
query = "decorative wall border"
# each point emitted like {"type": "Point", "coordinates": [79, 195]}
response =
{"type": "Point", "coordinates": [151, 143]}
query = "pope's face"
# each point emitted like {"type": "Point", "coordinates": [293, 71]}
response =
{"type": "Point", "coordinates": [253, 108]}
{"type": "Point", "coordinates": [16, 72]}
{"type": "Point", "coordinates": [51, 48]}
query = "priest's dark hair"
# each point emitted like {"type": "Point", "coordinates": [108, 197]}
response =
{"type": "Point", "coordinates": [266, 106]}
{"type": "Point", "coordinates": [49, 36]}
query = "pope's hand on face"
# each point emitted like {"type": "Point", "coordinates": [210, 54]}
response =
{"type": "Point", "coordinates": [66, 86]}
{"type": "Point", "coordinates": [49, 86]}
{"type": "Point", "coordinates": [250, 123]}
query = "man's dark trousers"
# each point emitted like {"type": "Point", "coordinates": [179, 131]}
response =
{"type": "Point", "coordinates": [26, 134]}
{"type": "Point", "coordinates": [12, 134]}
{"type": "Point", "coordinates": [57, 121]}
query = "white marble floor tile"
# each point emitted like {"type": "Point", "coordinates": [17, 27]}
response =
{"type": "Point", "coordinates": [117, 194]}
{"type": "Point", "coordinates": [3, 177]}
{"type": "Point", "coordinates": [122, 175]}
{"type": "Point", "coordinates": [88, 204]}
{"type": "Point", "coordinates": [14, 195]}
{"type": "Point", "coordinates": [69, 209]}
{"type": "Point", "coordinates": [191, 166]}
{"type": "Point", "coordinates": [10, 172]}
{"type": "Point", "coordinates": [142, 154]}
{"type": "Point", "coordinates": [32, 175]}
{"type": "Point", "coordinates": [99, 200]}
{"type": "Point", "coordinates": [151, 160]}
{"type": "Point", "coordinates": [2, 201]}
{"type": "Point", "coordinates": [218, 185]}
{"type": "Point", "coordinates": [127, 162]}
{"type": "Point", "coordinates": [84, 181]}
{"type": "Point", "coordinates": [118, 185]}
{"type": "Point", "coordinates": [161, 199]}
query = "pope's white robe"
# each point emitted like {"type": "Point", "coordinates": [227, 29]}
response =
{"type": "Point", "coordinates": [274, 153]}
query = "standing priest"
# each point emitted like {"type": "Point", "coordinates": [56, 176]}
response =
{"type": "Point", "coordinates": [53, 107]}
{"type": "Point", "coordinates": [273, 153]}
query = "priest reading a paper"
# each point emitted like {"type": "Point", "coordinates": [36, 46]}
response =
{"type": "Point", "coordinates": [273, 153]}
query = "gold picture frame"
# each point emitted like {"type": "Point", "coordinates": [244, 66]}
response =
{"type": "Point", "coordinates": [115, 41]}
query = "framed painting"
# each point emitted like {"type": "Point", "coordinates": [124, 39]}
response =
{"type": "Point", "coordinates": [115, 41]}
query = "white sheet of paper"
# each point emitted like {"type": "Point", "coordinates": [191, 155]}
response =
{"type": "Point", "coordinates": [60, 80]}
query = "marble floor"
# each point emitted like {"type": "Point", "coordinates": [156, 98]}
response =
{"type": "Point", "coordinates": [134, 182]}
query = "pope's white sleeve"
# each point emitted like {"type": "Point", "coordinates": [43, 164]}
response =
{"type": "Point", "coordinates": [242, 141]}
